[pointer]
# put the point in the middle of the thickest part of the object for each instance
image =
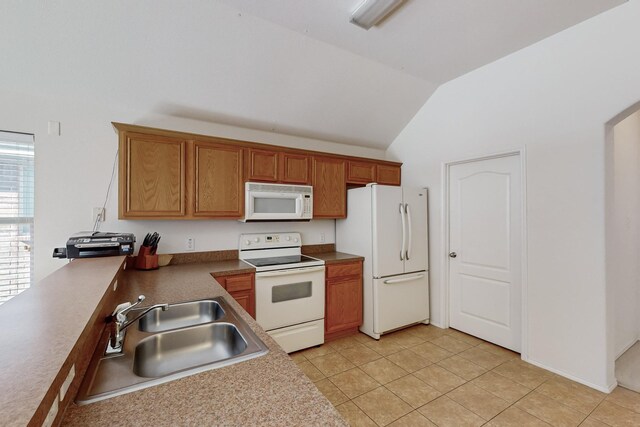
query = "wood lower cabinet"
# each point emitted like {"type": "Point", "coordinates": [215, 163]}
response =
{"type": "Point", "coordinates": [217, 184]}
{"type": "Point", "coordinates": [343, 299]}
{"type": "Point", "coordinates": [152, 177]}
{"type": "Point", "coordinates": [242, 288]}
{"type": "Point", "coordinates": [329, 187]}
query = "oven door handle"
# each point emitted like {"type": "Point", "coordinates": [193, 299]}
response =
{"type": "Point", "coordinates": [289, 271]}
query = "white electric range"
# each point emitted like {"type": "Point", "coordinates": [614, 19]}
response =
{"type": "Point", "coordinates": [289, 288]}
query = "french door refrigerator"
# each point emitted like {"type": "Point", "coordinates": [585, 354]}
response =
{"type": "Point", "coordinates": [387, 225]}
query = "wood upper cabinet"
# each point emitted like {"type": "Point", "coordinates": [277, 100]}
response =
{"type": "Point", "coordinates": [295, 168]}
{"type": "Point", "coordinates": [329, 187]}
{"type": "Point", "coordinates": [343, 305]}
{"type": "Point", "coordinates": [274, 166]}
{"type": "Point", "coordinates": [242, 288]}
{"type": "Point", "coordinates": [152, 177]}
{"type": "Point", "coordinates": [262, 165]}
{"type": "Point", "coordinates": [217, 180]}
{"type": "Point", "coordinates": [388, 174]}
{"type": "Point", "coordinates": [360, 172]}
{"type": "Point", "coordinates": [166, 174]}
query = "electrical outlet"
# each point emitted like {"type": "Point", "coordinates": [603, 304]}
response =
{"type": "Point", "coordinates": [322, 239]}
{"type": "Point", "coordinates": [98, 215]}
{"type": "Point", "coordinates": [191, 244]}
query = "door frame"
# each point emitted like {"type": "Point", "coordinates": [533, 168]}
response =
{"type": "Point", "coordinates": [444, 240]}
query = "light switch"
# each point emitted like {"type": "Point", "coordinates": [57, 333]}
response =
{"type": "Point", "coordinates": [54, 128]}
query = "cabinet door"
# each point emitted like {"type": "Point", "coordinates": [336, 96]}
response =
{"type": "Point", "coordinates": [344, 305]}
{"type": "Point", "coordinates": [388, 174]}
{"type": "Point", "coordinates": [329, 188]}
{"type": "Point", "coordinates": [295, 168]}
{"type": "Point", "coordinates": [247, 300]}
{"type": "Point", "coordinates": [262, 165]}
{"type": "Point", "coordinates": [152, 177]}
{"type": "Point", "coordinates": [242, 288]}
{"type": "Point", "coordinates": [218, 189]}
{"type": "Point", "coordinates": [361, 172]}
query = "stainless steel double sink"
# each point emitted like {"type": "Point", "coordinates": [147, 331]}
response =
{"type": "Point", "coordinates": [186, 339]}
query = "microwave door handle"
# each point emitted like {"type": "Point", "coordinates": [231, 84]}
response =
{"type": "Point", "coordinates": [299, 207]}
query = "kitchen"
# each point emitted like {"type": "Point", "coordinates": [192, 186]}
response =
{"type": "Point", "coordinates": [457, 123]}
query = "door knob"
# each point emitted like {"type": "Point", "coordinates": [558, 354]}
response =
{"type": "Point", "coordinates": [453, 254]}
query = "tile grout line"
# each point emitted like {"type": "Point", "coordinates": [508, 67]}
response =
{"type": "Point", "coordinates": [401, 347]}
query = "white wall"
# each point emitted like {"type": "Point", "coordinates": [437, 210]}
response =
{"type": "Point", "coordinates": [623, 231]}
{"type": "Point", "coordinates": [552, 98]}
{"type": "Point", "coordinates": [203, 61]}
{"type": "Point", "coordinates": [73, 171]}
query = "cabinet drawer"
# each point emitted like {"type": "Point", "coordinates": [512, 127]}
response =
{"type": "Point", "coordinates": [241, 282]}
{"type": "Point", "coordinates": [342, 270]}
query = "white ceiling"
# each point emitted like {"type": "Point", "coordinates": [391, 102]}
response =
{"type": "Point", "coordinates": [434, 40]}
{"type": "Point", "coordinates": [288, 66]}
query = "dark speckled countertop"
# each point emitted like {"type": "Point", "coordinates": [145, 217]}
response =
{"type": "Point", "coordinates": [267, 391]}
{"type": "Point", "coordinates": [336, 257]}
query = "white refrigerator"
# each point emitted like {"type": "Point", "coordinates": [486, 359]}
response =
{"type": "Point", "coordinates": [387, 225]}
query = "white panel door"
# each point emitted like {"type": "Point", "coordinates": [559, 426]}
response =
{"type": "Point", "coordinates": [485, 242]}
{"type": "Point", "coordinates": [388, 252]}
{"type": "Point", "coordinates": [416, 255]}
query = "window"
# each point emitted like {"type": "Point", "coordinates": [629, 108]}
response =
{"type": "Point", "coordinates": [16, 213]}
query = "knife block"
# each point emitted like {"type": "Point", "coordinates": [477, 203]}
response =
{"type": "Point", "coordinates": [146, 261]}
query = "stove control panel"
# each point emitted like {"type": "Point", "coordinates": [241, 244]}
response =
{"type": "Point", "coordinates": [269, 240]}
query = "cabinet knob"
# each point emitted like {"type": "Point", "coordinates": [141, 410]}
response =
{"type": "Point", "coordinates": [453, 254]}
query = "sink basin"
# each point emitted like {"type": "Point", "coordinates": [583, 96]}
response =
{"type": "Point", "coordinates": [181, 315]}
{"type": "Point", "coordinates": [186, 339]}
{"type": "Point", "coordinates": [165, 353]}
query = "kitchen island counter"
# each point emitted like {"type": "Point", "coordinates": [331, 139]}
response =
{"type": "Point", "coordinates": [268, 390]}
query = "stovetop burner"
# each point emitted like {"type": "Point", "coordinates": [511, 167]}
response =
{"type": "Point", "coordinates": [275, 251]}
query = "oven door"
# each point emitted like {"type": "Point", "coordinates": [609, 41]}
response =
{"type": "Point", "coordinates": [265, 205]}
{"type": "Point", "coordinates": [289, 297]}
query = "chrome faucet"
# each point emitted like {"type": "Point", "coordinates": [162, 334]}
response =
{"type": "Point", "coordinates": [119, 322]}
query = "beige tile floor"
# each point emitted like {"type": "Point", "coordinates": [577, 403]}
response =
{"type": "Point", "coordinates": [426, 376]}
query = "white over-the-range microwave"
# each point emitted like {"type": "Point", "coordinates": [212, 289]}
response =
{"type": "Point", "coordinates": [277, 202]}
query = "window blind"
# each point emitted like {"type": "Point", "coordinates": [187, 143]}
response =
{"type": "Point", "coordinates": [16, 213]}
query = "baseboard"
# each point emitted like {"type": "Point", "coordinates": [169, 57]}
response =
{"type": "Point", "coordinates": [627, 347]}
{"type": "Point", "coordinates": [612, 386]}
{"type": "Point", "coordinates": [604, 389]}
{"type": "Point", "coordinates": [437, 325]}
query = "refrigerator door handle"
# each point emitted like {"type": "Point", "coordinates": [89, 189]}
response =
{"type": "Point", "coordinates": [408, 212]}
{"type": "Point", "coordinates": [404, 232]}
{"type": "Point", "coordinates": [403, 279]}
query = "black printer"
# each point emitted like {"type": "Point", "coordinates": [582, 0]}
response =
{"type": "Point", "coordinates": [88, 244]}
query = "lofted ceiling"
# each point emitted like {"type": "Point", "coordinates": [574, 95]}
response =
{"type": "Point", "coordinates": [294, 67]}
{"type": "Point", "coordinates": [434, 40]}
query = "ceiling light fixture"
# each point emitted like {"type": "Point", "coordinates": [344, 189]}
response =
{"type": "Point", "coordinates": [371, 12]}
